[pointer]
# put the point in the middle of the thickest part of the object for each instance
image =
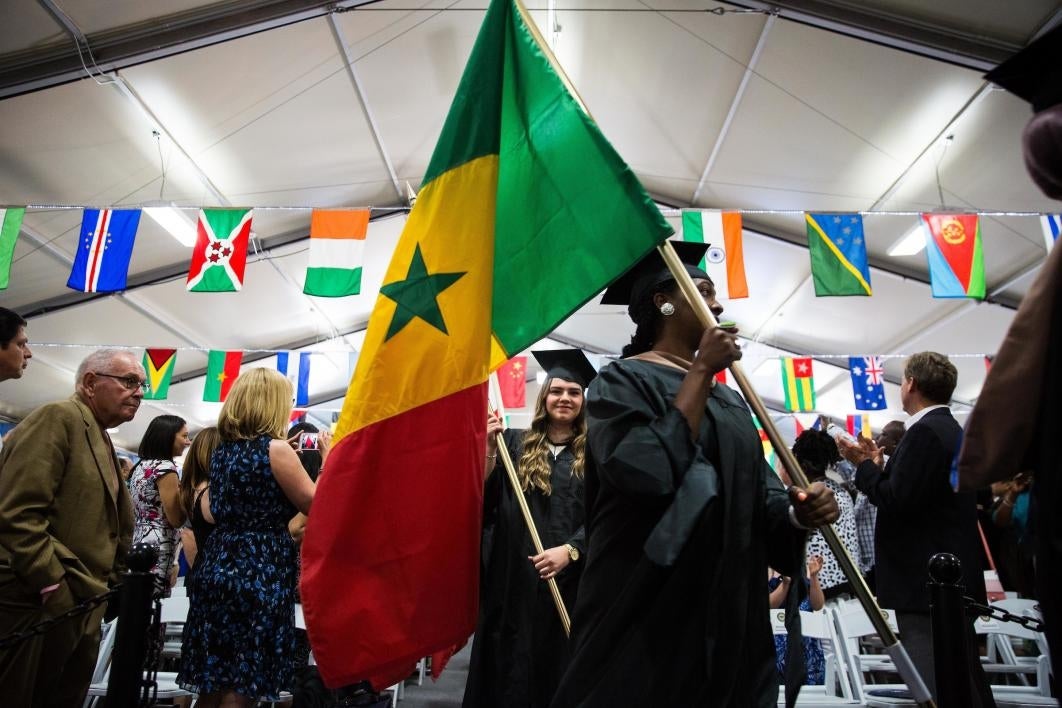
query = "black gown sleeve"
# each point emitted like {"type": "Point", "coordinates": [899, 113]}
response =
{"type": "Point", "coordinates": [643, 448]}
{"type": "Point", "coordinates": [785, 542]}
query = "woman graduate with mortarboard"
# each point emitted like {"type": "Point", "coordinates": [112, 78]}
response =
{"type": "Point", "coordinates": [520, 649]}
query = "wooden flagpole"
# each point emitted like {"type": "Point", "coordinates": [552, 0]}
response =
{"type": "Point", "coordinates": [518, 494]}
{"type": "Point", "coordinates": [892, 644]}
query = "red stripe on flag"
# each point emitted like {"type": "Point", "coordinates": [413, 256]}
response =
{"type": "Point", "coordinates": [96, 250]}
{"type": "Point", "coordinates": [391, 572]}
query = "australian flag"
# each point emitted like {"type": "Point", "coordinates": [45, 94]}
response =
{"type": "Point", "coordinates": [868, 382]}
{"type": "Point", "coordinates": [103, 250]}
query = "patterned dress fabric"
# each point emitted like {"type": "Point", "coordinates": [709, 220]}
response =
{"type": "Point", "coordinates": [151, 524]}
{"type": "Point", "coordinates": [813, 655]}
{"type": "Point", "coordinates": [831, 574]}
{"type": "Point", "coordinates": [240, 634]}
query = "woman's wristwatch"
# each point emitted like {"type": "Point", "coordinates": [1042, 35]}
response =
{"type": "Point", "coordinates": [573, 552]}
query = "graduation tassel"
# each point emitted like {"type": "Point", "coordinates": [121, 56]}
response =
{"type": "Point", "coordinates": [899, 655]}
{"type": "Point", "coordinates": [518, 494]}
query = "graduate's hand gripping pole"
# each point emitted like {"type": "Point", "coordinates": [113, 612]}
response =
{"type": "Point", "coordinates": [518, 493]}
{"type": "Point", "coordinates": [892, 644]}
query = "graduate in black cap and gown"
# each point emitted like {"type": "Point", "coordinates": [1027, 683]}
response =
{"type": "Point", "coordinates": [520, 649]}
{"type": "Point", "coordinates": [683, 517]}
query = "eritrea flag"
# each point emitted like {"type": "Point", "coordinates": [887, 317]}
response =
{"type": "Point", "coordinates": [525, 213]}
{"type": "Point", "coordinates": [956, 258]}
{"type": "Point", "coordinates": [222, 370]}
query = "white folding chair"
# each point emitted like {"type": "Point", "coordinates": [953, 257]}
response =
{"type": "Point", "coordinates": [837, 689]}
{"type": "Point", "coordinates": [854, 627]}
{"type": "Point", "coordinates": [999, 636]}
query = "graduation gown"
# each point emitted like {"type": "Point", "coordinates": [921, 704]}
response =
{"type": "Point", "coordinates": [520, 648]}
{"type": "Point", "coordinates": [672, 609]}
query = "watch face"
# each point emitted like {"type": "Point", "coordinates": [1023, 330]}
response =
{"type": "Point", "coordinates": [573, 553]}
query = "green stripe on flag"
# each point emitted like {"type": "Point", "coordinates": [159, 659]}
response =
{"type": "Point", "coordinates": [332, 282]}
{"type": "Point", "coordinates": [693, 230]}
{"type": "Point", "coordinates": [10, 223]}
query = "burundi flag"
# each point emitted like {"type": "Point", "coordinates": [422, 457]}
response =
{"type": "Point", "coordinates": [859, 425]}
{"type": "Point", "coordinates": [519, 175]}
{"type": "Point", "coordinates": [956, 259]}
{"type": "Point", "coordinates": [838, 254]}
{"type": "Point", "coordinates": [725, 259]}
{"type": "Point", "coordinates": [1050, 223]}
{"type": "Point", "coordinates": [798, 384]}
{"type": "Point", "coordinates": [220, 253]}
{"type": "Point", "coordinates": [300, 378]}
{"type": "Point", "coordinates": [222, 370]}
{"type": "Point", "coordinates": [868, 382]}
{"type": "Point", "coordinates": [159, 363]}
{"type": "Point", "coordinates": [337, 251]}
{"type": "Point", "coordinates": [10, 223]}
{"type": "Point", "coordinates": [104, 249]}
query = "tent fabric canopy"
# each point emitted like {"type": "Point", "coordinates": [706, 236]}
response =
{"type": "Point", "coordinates": [297, 105]}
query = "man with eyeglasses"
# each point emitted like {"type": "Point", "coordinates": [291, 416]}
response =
{"type": "Point", "coordinates": [66, 524]}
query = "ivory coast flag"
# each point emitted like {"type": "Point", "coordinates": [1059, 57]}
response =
{"type": "Point", "coordinates": [524, 214]}
{"type": "Point", "coordinates": [337, 251]}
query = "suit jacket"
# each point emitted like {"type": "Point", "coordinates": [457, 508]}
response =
{"type": "Point", "coordinates": [919, 514]}
{"type": "Point", "coordinates": [62, 515]}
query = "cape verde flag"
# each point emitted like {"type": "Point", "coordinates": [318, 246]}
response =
{"type": "Point", "coordinates": [1052, 225]}
{"type": "Point", "coordinates": [103, 250]}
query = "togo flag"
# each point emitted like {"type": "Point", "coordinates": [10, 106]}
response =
{"type": "Point", "coordinates": [725, 259]}
{"type": "Point", "coordinates": [220, 252]}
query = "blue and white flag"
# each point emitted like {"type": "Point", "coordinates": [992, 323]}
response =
{"type": "Point", "coordinates": [1052, 225]}
{"type": "Point", "coordinates": [868, 382]}
{"type": "Point", "coordinates": [103, 250]}
{"type": "Point", "coordinates": [301, 377]}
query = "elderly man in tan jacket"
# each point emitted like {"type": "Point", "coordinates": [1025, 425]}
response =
{"type": "Point", "coordinates": [65, 527]}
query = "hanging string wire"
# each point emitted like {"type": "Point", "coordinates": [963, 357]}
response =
{"type": "Point", "coordinates": [667, 211]}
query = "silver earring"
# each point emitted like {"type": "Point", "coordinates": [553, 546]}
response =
{"type": "Point", "coordinates": [667, 309]}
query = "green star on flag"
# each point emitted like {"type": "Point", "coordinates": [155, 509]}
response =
{"type": "Point", "coordinates": [416, 295]}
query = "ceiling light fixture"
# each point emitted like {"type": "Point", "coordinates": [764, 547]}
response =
{"type": "Point", "coordinates": [175, 222]}
{"type": "Point", "coordinates": [911, 243]}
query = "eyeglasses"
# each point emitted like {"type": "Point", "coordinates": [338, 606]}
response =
{"type": "Point", "coordinates": [131, 383]}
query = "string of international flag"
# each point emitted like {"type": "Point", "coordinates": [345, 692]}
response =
{"type": "Point", "coordinates": [797, 374]}
{"type": "Point", "coordinates": [836, 245]}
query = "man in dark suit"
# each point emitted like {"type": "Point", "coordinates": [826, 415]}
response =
{"type": "Point", "coordinates": [66, 523]}
{"type": "Point", "coordinates": [920, 514]}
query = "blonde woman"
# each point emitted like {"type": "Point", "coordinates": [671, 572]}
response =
{"type": "Point", "coordinates": [519, 651]}
{"type": "Point", "coordinates": [240, 635]}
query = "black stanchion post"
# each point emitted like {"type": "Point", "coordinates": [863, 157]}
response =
{"type": "Point", "coordinates": [949, 631]}
{"type": "Point", "coordinates": [130, 644]}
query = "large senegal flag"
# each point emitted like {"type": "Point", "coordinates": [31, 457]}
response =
{"type": "Point", "coordinates": [956, 259]}
{"type": "Point", "coordinates": [524, 214]}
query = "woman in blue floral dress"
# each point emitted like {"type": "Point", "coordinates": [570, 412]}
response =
{"type": "Point", "coordinates": [240, 635]}
{"type": "Point", "coordinates": [778, 586]}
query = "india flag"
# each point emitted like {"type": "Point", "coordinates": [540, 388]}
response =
{"type": "Point", "coordinates": [337, 252]}
{"type": "Point", "coordinates": [725, 259]}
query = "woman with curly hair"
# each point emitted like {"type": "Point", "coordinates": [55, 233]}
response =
{"type": "Point", "coordinates": [519, 651]}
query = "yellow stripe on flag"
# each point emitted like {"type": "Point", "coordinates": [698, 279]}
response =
{"type": "Point", "coordinates": [791, 382]}
{"type": "Point", "coordinates": [453, 225]}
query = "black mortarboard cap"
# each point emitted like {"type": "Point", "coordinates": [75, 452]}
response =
{"type": "Point", "coordinates": [651, 271]}
{"type": "Point", "coordinates": [568, 364]}
{"type": "Point", "coordinates": [1034, 74]}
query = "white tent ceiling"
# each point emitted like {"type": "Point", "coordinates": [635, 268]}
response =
{"type": "Point", "coordinates": [818, 105]}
